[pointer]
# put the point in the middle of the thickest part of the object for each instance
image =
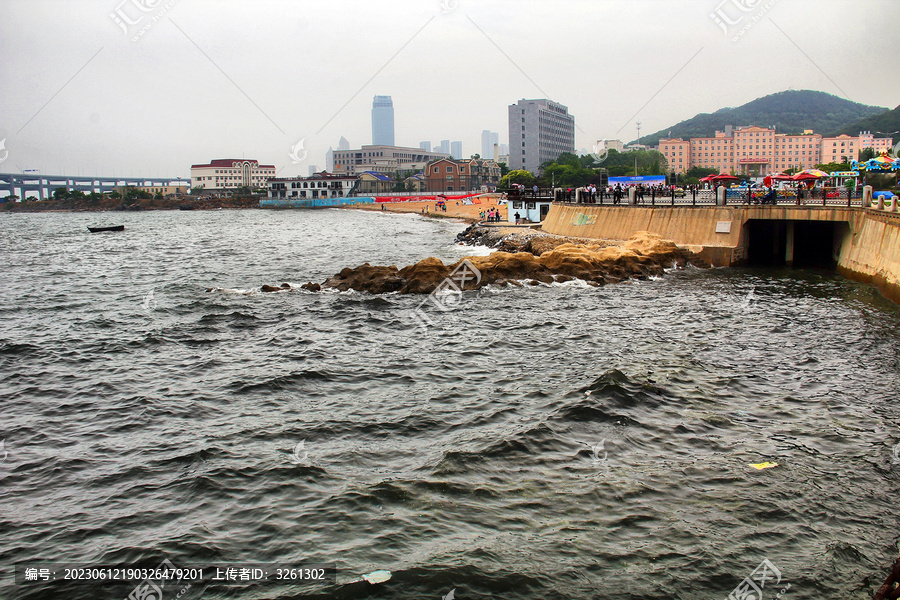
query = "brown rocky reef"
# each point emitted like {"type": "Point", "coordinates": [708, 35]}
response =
{"type": "Point", "coordinates": [642, 256]}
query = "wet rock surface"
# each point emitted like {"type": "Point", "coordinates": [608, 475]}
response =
{"type": "Point", "coordinates": [513, 239]}
{"type": "Point", "coordinates": [550, 259]}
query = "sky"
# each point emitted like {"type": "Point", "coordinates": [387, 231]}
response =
{"type": "Point", "coordinates": [145, 88]}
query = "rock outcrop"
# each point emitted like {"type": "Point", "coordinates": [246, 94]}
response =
{"type": "Point", "coordinates": [597, 263]}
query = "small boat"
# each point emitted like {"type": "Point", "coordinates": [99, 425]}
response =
{"type": "Point", "coordinates": [110, 228]}
{"type": "Point", "coordinates": [186, 207]}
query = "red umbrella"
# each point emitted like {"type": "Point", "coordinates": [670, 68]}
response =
{"type": "Point", "coordinates": [770, 179]}
{"type": "Point", "coordinates": [725, 177]}
{"type": "Point", "coordinates": [804, 177]}
{"type": "Point", "coordinates": [707, 178]}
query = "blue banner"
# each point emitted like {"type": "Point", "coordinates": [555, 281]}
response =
{"type": "Point", "coordinates": [295, 202]}
{"type": "Point", "coordinates": [645, 179]}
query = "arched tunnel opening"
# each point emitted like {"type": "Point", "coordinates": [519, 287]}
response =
{"type": "Point", "coordinates": [800, 244]}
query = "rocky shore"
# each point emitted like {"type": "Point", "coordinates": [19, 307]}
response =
{"type": "Point", "coordinates": [523, 257]}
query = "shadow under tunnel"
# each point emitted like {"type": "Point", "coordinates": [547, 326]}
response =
{"type": "Point", "coordinates": [799, 244]}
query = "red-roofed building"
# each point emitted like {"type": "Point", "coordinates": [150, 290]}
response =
{"type": "Point", "coordinates": [230, 174]}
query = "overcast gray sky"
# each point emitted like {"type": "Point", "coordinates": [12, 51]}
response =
{"type": "Point", "coordinates": [177, 82]}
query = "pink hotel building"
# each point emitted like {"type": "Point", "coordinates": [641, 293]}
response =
{"type": "Point", "coordinates": [759, 150]}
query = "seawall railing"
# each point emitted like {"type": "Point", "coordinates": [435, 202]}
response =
{"type": "Point", "coordinates": [828, 196]}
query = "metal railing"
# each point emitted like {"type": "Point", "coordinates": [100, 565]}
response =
{"type": "Point", "coordinates": [829, 196]}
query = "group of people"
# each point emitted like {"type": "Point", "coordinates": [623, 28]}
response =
{"type": "Point", "coordinates": [491, 215]}
{"type": "Point", "coordinates": [518, 190]}
{"type": "Point", "coordinates": [591, 193]}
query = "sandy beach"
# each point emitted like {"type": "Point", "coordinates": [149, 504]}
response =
{"type": "Point", "coordinates": [455, 208]}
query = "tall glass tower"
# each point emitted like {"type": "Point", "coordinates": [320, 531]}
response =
{"type": "Point", "coordinates": [382, 121]}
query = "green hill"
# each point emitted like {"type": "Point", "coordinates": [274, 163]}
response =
{"type": "Point", "coordinates": [888, 123]}
{"type": "Point", "coordinates": [790, 111]}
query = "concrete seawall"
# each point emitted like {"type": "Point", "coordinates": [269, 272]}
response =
{"type": "Point", "coordinates": [871, 253]}
{"type": "Point", "coordinates": [864, 244]}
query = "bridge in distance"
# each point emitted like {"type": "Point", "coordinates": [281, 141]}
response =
{"type": "Point", "coordinates": [42, 186]}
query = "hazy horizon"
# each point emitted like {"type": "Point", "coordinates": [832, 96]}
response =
{"type": "Point", "coordinates": [149, 87]}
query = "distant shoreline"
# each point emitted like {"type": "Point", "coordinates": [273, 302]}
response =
{"type": "Point", "coordinates": [110, 205]}
{"type": "Point", "coordinates": [468, 213]}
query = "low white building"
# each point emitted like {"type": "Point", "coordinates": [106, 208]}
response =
{"type": "Point", "coordinates": [533, 210]}
{"type": "Point", "coordinates": [318, 186]}
{"type": "Point", "coordinates": [230, 174]}
{"type": "Point", "coordinates": [383, 159]}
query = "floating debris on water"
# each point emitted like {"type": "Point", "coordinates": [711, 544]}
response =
{"type": "Point", "coordinates": [377, 576]}
{"type": "Point", "coordinates": [764, 465]}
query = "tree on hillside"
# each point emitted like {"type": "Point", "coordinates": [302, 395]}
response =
{"type": "Point", "coordinates": [60, 193]}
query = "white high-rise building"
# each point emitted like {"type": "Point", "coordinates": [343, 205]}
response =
{"type": "Point", "coordinates": [456, 150]}
{"type": "Point", "coordinates": [489, 141]}
{"type": "Point", "coordinates": [343, 144]}
{"type": "Point", "coordinates": [539, 131]}
{"type": "Point", "coordinates": [382, 121]}
{"type": "Point", "coordinates": [426, 146]}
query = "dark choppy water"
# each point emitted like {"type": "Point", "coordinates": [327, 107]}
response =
{"type": "Point", "coordinates": [516, 450]}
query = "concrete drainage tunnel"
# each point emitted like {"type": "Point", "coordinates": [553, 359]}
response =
{"type": "Point", "coordinates": [799, 244]}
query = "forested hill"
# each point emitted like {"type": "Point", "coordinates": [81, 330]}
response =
{"type": "Point", "coordinates": [887, 124]}
{"type": "Point", "coordinates": [790, 111]}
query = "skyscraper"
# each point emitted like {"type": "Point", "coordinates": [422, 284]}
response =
{"type": "Point", "coordinates": [456, 150]}
{"type": "Point", "coordinates": [382, 121]}
{"type": "Point", "coordinates": [539, 130]}
{"type": "Point", "coordinates": [444, 147]}
{"type": "Point", "coordinates": [343, 144]}
{"type": "Point", "coordinates": [329, 160]}
{"type": "Point", "coordinates": [426, 146]}
{"type": "Point", "coordinates": [489, 139]}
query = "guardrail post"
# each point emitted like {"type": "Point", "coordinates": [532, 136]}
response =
{"type": "Point", "coordinates": [866, 196]}
{"type": "Point", "coordinates": [693, 196]}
